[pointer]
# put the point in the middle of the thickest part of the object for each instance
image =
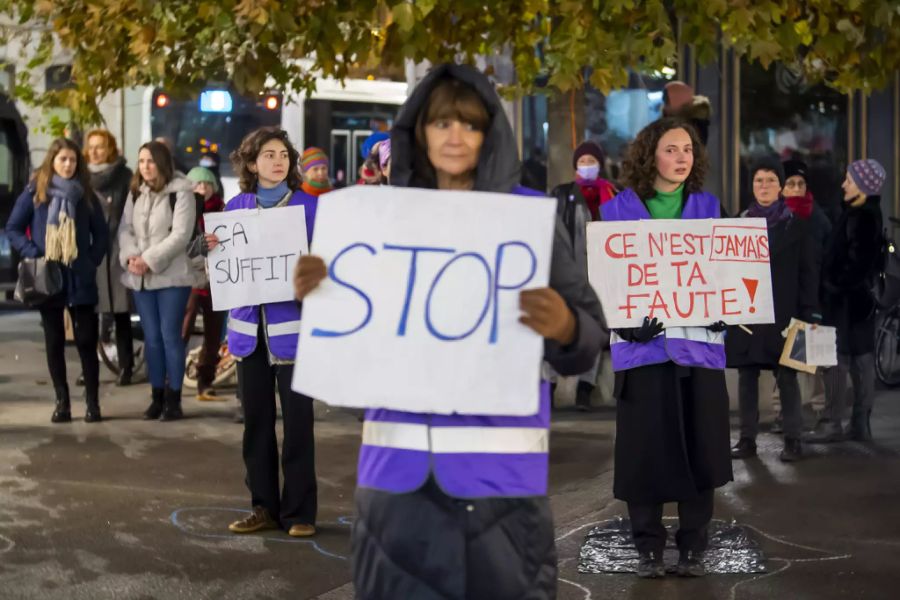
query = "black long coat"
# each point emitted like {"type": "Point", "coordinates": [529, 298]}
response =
{"type": "Point", "coordinates": [851, 264]}
{"type": "Point", "coordinates": [795, 284]}
{"type": "Point", "coordinates": [672, 433]}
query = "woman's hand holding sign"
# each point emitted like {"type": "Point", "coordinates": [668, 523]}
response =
{"type": "Point", "coordinates": [308, 274]}
{"type": "Point", "coordinates": [547, 314]}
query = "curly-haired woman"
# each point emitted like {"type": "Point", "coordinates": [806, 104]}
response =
{"type": "Point", "coordinates": [672, 429]}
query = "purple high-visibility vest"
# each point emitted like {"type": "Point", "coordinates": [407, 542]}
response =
{"type": "Point", "coordinates": [469, 456]}
{"type": "Point", "coordinates": [686, 346]}
{"type": "Point", "coordinates": [282, 319]}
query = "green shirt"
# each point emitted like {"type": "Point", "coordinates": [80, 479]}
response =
{"type": "Point", "coordinates": [666, 205]}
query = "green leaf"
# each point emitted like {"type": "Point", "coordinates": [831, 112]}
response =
{"type": "Point", "coordinates": [404, 16]}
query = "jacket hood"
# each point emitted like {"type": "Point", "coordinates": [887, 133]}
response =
{"type": "Point", "coordinates": [498, 164]}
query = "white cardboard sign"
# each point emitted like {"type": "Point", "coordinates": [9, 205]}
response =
{"type": "Point", "coordinates": [690, 272]}
{"type": "Point", "coordinates": [254, 261]}
{"type": "Point", "coordinates": [420, 310]}
{"type": "Point", "coordinates": [821, 346]}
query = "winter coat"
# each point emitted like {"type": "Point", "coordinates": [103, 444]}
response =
{"type": "Point", "coordinates": [91, 238]}
{"type": "Point", "coordinates": [390, 465]}
{"type": "Point", "coordinates": [573, 210]}
{"type": "Point", "coordinates": [820, 232]}
{"type": "Point", "coordinates": [111, 187]}
{"type": "Point", "coordinates": [151, 230]}
{"type": "Point", "coordinates": [672, 429]}
{"type": "Point", "coordinates": [851, 264]}
{"type": "Point", "coordinates": [795, 277]}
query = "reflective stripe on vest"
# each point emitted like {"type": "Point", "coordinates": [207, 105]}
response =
{"type": "Point", "coordinates": [286, 328]}
{"type": "Point", "coordinates": [456, 440]}
{"type": "Point", "coordinates": [242, 327]}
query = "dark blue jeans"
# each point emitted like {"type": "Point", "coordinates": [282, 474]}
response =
{"type": "Point", "coordinates": [162, 314]}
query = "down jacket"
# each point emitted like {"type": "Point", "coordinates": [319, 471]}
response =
{"type": "Point", "coordinates": [151, 230]}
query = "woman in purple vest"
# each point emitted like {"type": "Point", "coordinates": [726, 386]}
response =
{"type": "Point", "coordinates": [455, 506]}
{"type": "Point", "coordinates": [264, 339]}
{"type": "Point", "coordinates": [672, 429]}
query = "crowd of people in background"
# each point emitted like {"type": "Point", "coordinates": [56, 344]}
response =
{"type": "Point", "coordinates": [133, 242]}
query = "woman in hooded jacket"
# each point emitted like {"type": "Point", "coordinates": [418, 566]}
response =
{"type": "Point", "coordinates": [58, 217]}
{"type": "Point", "coordinates": [111, 180]}
{"type": "Point", "coordinates": [465, 522]}
{"type": "Point", "coordinates": [157, 224]}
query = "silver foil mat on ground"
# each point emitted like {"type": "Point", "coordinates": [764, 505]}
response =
{"type": "Point", "coordinates": [608, 548]}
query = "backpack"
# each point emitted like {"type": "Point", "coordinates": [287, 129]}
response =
{"type": "Point", "coordinates": [885, 287]}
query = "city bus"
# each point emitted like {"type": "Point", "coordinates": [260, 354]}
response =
{"type": "Point", "coordinates": [337, 118]}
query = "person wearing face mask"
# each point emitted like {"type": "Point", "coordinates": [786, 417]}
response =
{"type": "Point", "coordinates": [672, 424]}
{"type": "Point", "coordinates": [577, 204]}
{"type": "Point", "coordinates": [848, 272]}
{"type": "Point", "coordinates": [58, 217]}
{"type": "Point", "coordinates": [794, 293]}
{"type": "Point", "coordinates": [264, 340]}
{"type": "Point", "coordinates": [455, 506]}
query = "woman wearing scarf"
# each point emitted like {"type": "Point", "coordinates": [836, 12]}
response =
{"type": "Point", "coordinates": [263, 337]}
{"type": "Point", "coordinates": [67, 226]}
{"type": "Point", "coordinates": [110, 179]}
{"type": "Point", "coordinates": [578, 203]}
{"type": "Point", "coordinates": [794, 292]}
{"type": "Point", "coordinates": [314, 164]}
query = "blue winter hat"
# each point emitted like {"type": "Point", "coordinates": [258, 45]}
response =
{"type": "Point", "coordinates": [378, 136]}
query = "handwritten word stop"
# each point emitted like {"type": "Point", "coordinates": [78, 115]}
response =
{"type": "Point", "coordinates": [420, 309]}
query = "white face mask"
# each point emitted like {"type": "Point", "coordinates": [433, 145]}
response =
{"type": "Point", "coordinates": [589, 173]}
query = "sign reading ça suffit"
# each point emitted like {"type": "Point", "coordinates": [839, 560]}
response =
{"type": "Point", "coordinates": [420, 311]}
{"type": "Point", "coordinates": [690, 272]}
{"type": "Point", "coordinates": [254, 261]}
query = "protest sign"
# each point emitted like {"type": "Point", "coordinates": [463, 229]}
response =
{"type": "Point", "coordinates": [420, 310]}
{"type": "Point", "coordinates": [690, 272]}
{"type": "Point", "coordinates": [254, 261]}
{"type": "Point", "coordinates": [821, 346]}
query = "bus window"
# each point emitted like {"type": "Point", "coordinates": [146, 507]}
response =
{"type": "Point", "coordinates": [326, 121]}
{"type": "Point", "coordinates": [217, 121]}
{"type": "Point", "coordinates": [342, 173]}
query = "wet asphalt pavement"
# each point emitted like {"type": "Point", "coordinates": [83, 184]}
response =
{"type": "Point", "coordinates": [129, 509]}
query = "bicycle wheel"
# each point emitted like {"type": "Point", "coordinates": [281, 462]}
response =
{"type": "Point", "coordinates": [887, 349]}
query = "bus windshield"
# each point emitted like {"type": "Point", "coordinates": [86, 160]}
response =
{"type": "Point", "coordinates": [214, 123]}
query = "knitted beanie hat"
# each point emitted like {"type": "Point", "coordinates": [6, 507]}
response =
{"type": "Point", "coordinates": [312, 157]}
{"type": "Point", "coordinates": [384, 153]}
{"type": "Point", "coordinates": [795, 167]}
{"type": "Point", "coordinates": [588, 148]}
{"type": "Point", "coordinates": [203, 175]}
{"type": "Point", "coordinates": [868, 174]}
{"type": "Point", "coordinates": [768, 164]}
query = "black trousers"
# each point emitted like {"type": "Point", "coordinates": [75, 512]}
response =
{"type": "Point", "coordinates": [258, 381]}
{"type": "Point", "coordinates": [427, 545]}
{"type": "Point", "coordinates": [124, 336]}
{"type": "Point", "coordinates": [693, 524]}
{"type": "Point", "coordinates": [86, 327]}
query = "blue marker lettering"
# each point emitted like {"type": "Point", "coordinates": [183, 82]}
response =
{"type": "Point", "coordinates": [331, 272]}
